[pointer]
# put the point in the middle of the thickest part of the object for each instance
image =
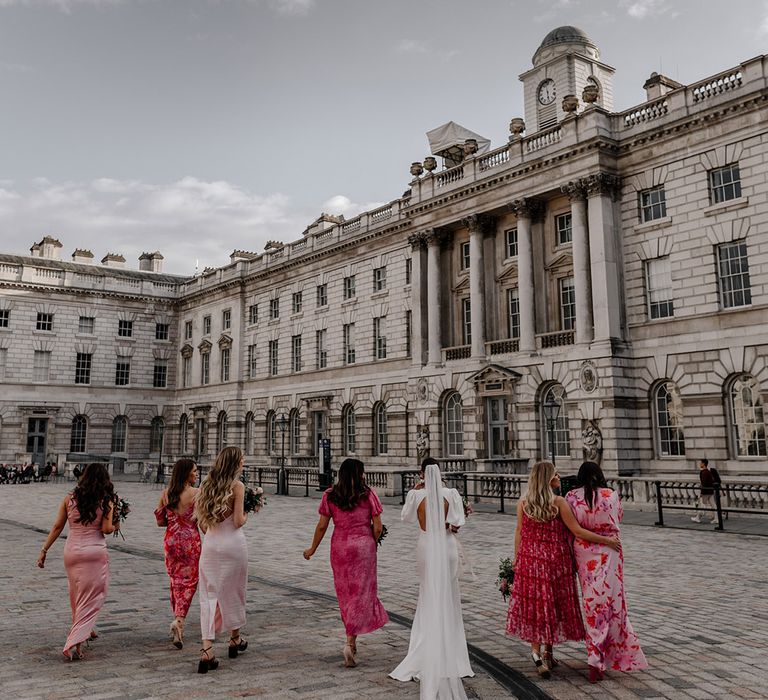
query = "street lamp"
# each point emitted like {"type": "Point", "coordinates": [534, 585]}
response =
{"type": "Point", "coordinates": [282, 486]}
{"type": "Point", "coordinates": [551, 412]}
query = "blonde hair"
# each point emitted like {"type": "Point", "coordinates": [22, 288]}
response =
{"type": "Point", "coordinates": [212, 502]}
{"type": "Point", "coordinates": [539, 497]}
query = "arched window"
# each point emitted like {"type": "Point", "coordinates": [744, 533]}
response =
{"type": "Point", "coordinates": [668, 408]}
{"type": "Point", "coordinates": [249, 433]}
{"type": "Point", "coordinates": [271, 433]}
{"type": "Point", "coordinates": [294, 433]}
{"type": "Point", "coordinates": [349, 426]}
{"type": "Point", "coordinates": [747, 417]}
{"type": "Point", "coordinates": [221, 431]}
{"type": "Point", "coordinates": [156, 433]}
{"type": "Point", "coordinates": [453, 425]}
{"type": "Point", "coordinates": [557, 435]}
{"type": "Point", "coordinates": [119, 431]}
{"type": "Point", "coordinates": [380, 433]}
{"type": "Point", "coordinates": [78, 434]}
{"type": "Point", "coordinates": [183, 433]}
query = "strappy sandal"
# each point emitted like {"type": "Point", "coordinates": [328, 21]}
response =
{"type": "Point", "coordinates": [349, 657]}
{"type": "Point", "coordinates": [176, 639]}
{"type": "Point", "coordinates": [73, 654]}
{"type": "Point", "coordinates": [550, 660]}
{"type": "Point", "coordinates": [235, 647]}
{"type": "Point", "coordinates": [209, 663]}
{"type": "Point", "coordinates": [541, 667]}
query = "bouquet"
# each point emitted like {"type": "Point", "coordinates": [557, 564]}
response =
{"type": "Point", "coordinates": [120, 513]}
{"type": "Point", "coordinates": [506, 576]}
{"type": "Point", "coordinates": [384, 533]}
{"type": "Point", "coordinates": [254, 499]}
{"type": "Point", "coordinates": [468, 509]}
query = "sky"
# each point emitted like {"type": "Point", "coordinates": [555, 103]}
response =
{"type": "Point", "coordinates": [196, 127]}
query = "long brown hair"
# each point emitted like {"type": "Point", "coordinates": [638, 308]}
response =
{"type": "Point", "coordinates": [94, 490]}
{"type": "Point", "coordinates": [179, 477]}
{"type": "Point", "coordinates": [591, 478]}
{"type": "Point", "coordinates": [212, 500]}
{"type": "Point", "coordinates": [350, 486]}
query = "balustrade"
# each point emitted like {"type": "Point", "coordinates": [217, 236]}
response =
{"type": "Point", "coordinates": [556, 339]}
{"type": "Point", "coordinates": [502, 347]}
{"type": "Point", "coordinates": [493, 159]}
{"type": "Point", "coordinates": [449, 176]}
{"type": "Point", "coordinates": [716, 85]}
{"type": "Point", "coordinates": [542, 139]}
{"type": "Point", "coordinates": [462, 352]}
{"type": "Point", "coordinates": [645, 113]}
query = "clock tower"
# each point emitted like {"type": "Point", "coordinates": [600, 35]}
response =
{"type": "Point", "coordinates": [564, 64]}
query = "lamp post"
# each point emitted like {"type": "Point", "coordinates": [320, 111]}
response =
{"type": "Point", "coordinates": [282, 485]}
{"type": "Point", "coordinates": [551, 412]}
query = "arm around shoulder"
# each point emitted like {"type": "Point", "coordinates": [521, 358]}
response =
{"type": "Point", "coordinates": [578, 531]}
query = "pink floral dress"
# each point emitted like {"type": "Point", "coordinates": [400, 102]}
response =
{"type": "Point", "coordinates": [611, 642]}
{"type": "Point", "coordinates": [182, 555]}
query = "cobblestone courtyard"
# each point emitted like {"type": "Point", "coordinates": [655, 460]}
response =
{"type": "Point", "coordinates": [696, 600]}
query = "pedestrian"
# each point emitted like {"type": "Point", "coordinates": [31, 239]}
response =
{"type": "Point", "coordinates": [181, 544]}
{"type": "Point", "coordinates": [706, 492]}
{"type": "Point", "coordinates": [544, 605]}
{"type": "Point", "coordinates": [88, 510]}
{"type": "Point", "coordinates": [437, 653]}
{"type": "Point", "coordinates": [611, 641]}
{"type": "Point", "coordinates": [220, 513]}
{"type": "Point", "coordinates": [355, 510]}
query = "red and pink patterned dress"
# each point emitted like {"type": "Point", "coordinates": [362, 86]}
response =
{"type": "Point", "coordinates": [611, 641]}
{"type": "Point", "coordinates": [182, 556]}
{"type": "Point", "coordinates": [544, 602]}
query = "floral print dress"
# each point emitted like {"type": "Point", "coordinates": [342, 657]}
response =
{"type": "Point", "coordinates": [182, 556]}
{"type": "Point", "coordinates": [611, 641]}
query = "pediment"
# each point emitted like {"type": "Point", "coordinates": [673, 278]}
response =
{"type": "Point", "coordinates": [225, 341]}
{"type": "Point", "coordinates": [463, 284]}
{"type": "Point", "coordinates": [187, 350]}
{"type": "Point", "coordinates": [205, 346]}
{"type": "Point", "coordinates": [509, 272]}
{"type": "Point", "coordinates": [564, 260]}
{"type": "Point", "coordinates": [494, 373]}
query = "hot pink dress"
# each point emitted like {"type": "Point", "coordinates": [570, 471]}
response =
{"type": "Point", "coordinates": [544, 602]}
{"type": "Point", "coordinates": [353, 560]}
{"type": "Point", "coordinates": [611, 642]}
{"type": "Point", "coordinates": [87, 564]}
{"type": "Point", "coordinates": [182, 556]}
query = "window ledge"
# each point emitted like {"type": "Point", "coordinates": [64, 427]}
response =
{"type": "Point", "coordinates": [322, 309]}
{"type": "Point", "coordinates": [653, 224]}
{"type": "Point", "coordinates": [380, 294]}
{"type": "Point", "coordinates": [298, 314]}
{"type": "Point", "coordinates": [349, 302]}
{"type": "Point", "coordinates": [124, 339]}
{"type": "Point", "coordinates": [37, 332]}
{"type": "Point", "coordinates": [730, 205]}
{"type": "Point", "coordinates": [273, 321]}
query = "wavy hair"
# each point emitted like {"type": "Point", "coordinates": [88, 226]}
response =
{"type": "Point", "coordinates": [350, 487]}
{"type": "Point", "coordinates": [94, 490]}
{"type": "Point", "coordinates": [179, 477]}
{"type": "Point", "coordinates": [591, 478]}
{"type": "Point", "coordinates": [212, 502]}
{"type": "Point", "coordinates": [539, 497]}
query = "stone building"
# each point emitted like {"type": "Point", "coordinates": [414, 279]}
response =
{"type": "Point", "coordinates": [609, 267]}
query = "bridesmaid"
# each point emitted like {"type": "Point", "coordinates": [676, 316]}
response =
{"type": "Point", "coordinates": [611, 641]}
{"type": "Point", "coordinates": [224, 557]}
{"type": "Point", "coordinates": [88, 510]}
{"type": "Point", "coordinates": [175, 512]}
{"type": "Point", "coordinates": [355, 510]}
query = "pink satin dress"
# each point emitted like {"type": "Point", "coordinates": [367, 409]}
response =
{"type": "Point", "coordinates": [87, 565]}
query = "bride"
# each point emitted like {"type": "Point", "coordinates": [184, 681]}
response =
{"type": "Point", "coordinates": [437, 653]}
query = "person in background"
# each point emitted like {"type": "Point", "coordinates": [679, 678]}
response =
{"type": "Point", "coordinates": [707, 491]}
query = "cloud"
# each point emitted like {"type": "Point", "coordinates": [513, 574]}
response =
{"type": "Point", "coordinates": [642, 9]}
{"type": "Point", "coordinates": [763, 28]}
{"type": "Point", "coordinates": [341, 204]}
{"type": "Point", "coordinates": [63, 5]}
{"type": "Point", "coordinates": [292, 8]}
{"type": "Point", "coordinates": [422, 47]}
{"type": "Point", "coordinates": [553, 9]}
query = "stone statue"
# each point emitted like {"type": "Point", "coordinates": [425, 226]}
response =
{"type": "Point", "coordinates": [592, 442]}
{"type": "Point", "coordinates": [422, 441]}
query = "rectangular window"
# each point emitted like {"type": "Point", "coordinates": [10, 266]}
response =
{"type": "Point", "coordinates": [297, 302]}
{"type": "Point", "coordinates": [86, 325]}
{"type": "Point", "coordinates": [42, 366]}
{"type": "Point", "coordinates": [83, 368]}
{"type": "Point", "coordinates": [724, 183]}
{"type": "Point", "coordinates": [513, 313]}
{"type": "Point", "coordinates": [274, 357]}
{"type": "Point", "coordinates": [322, 295]}
{"type": "Point", "coordinates": [408, 270]}
{"type": "Point", "coordinates": [226, 355]}
{"type": "Point", "coordinates": [274, 308]}
{"type": "Point", "coordinates": [226, 319]}
{"type": "Point", "coordinates": [186, 371]}
{"type": "Point", "coordinates": [45, 322]}
{"type": "Point", "coordinates": [349, 343]}
{"type": "Point", "coordinates": [349, 287]}
{"type": "Point", "coordinates": [321, 354]}
{"type": "Point", "coordinates": [563, 229]}
{"type": "Point", "coordinates": [296, 353]}
{"type": "Point", "coordinates": [122, 373]}
{"type": "Point", "coordinates": [408, 332]}
{"type": "Point", "coordinates": [466, 322]}
{"type": "Point", "coordinates": [251, 362]}
{"type": "Point", "coordinates": [653, 204]}
{"type": "Point", "coordinates": [510, 243]}
{"type": "Point", "coordinates": [567, 304]}
{"type": "Point", "coordinates": [205, 368]}
{"type": "Point", "coordinates": [3, 361]}
{"type": "Point", "coordinates": [5, 318]}
{"type": "Point", "coordinates": [206, 325]}
{"type": "Point", "coordinates": [379, 279]}
{"type": "Point", "coordinates": [733, 275]}
{"type": "Point", "coordinates": [464, 253]}
{"type": "Point", "coordinates": [658, 282]}
{"type": "Point", "coordinates": [125, 329]}
{"type": "Point", "coordinates": [187, 330]}
{"type": "Point", "coordinates": [162, 331]}
{"type": "Point", "coordinates": [379, 338]}
{"type": "Point", "coordinates": [253, 314]}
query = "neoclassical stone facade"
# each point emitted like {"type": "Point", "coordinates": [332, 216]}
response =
{"type": "Point", "coordinates": [614, 265]}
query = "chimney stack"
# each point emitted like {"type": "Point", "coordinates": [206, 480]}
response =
{"type": "Point", "coordinates": [151, 262]}
{"type": "Point", "coordinates": [82, 256]}
{"type": "Point", "coordinates": [113, 260]}
{"type": "Point", "coordinates": [658, 85]}
{"type": "Point", "coordinates": [49, 248]}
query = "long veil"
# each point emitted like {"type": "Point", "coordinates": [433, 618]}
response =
{"type": "Point", "coordinates": [438, 678]}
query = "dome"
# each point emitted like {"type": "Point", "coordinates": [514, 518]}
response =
{"type": "Point", "coordinates": [565, 35]}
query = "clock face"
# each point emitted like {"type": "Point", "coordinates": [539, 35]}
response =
{"type": "Point", "coordinates": [547, 92]}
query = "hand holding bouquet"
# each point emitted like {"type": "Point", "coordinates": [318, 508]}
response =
{"type": "Point", "coordinates": [468, 509]}
{"type": "Point", "coordinates": [506, 577]}
{"type": "Point", "coordinates": [119, 514]}
{"type": "Point", "coordinates": [384, 533]}
{"type": "Point", "coordinates": [254, 499]}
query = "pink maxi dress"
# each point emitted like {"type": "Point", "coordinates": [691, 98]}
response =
{"type": "Point", "coordinates": [86, 562]}
{"type": "Point", "coordinates": [353, 560]}
{"type": "Point", "coordinates": [223, 578]}
{"type": "Point", "coordinates": [181, 546]}
{"type": "Point", "coordinates": [611, 641]}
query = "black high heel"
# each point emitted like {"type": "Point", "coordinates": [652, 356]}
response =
{"type": "Point", "coordinates": [234, 649]}
{"type": "Point", "coordinates": [208, 663]}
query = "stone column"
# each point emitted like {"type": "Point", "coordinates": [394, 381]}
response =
{"type": "Point", "coordinates": [418, 242]}
{"type": "Point", "coordinates": [603, 249]}
{"type": "Point", "coordinates": [434, 342]}
{"type": "Point", "coordinates": [577, 193]}
{"type": "Point", "coordinates": [525, 210]}
{"type": "Point", "coordinates": [476, 284]}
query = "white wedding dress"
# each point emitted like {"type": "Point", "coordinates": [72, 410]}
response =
{"type": "Point", "coordinates": [437, 653]}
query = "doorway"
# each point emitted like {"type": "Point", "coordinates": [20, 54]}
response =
{"type": "Point", "coordinates": [37, 429]}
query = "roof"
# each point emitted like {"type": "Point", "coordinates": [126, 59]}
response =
{"type": "Point", "coordinates": [566, 34]}
{"type": "Point", "coordinates": [451, 135]}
